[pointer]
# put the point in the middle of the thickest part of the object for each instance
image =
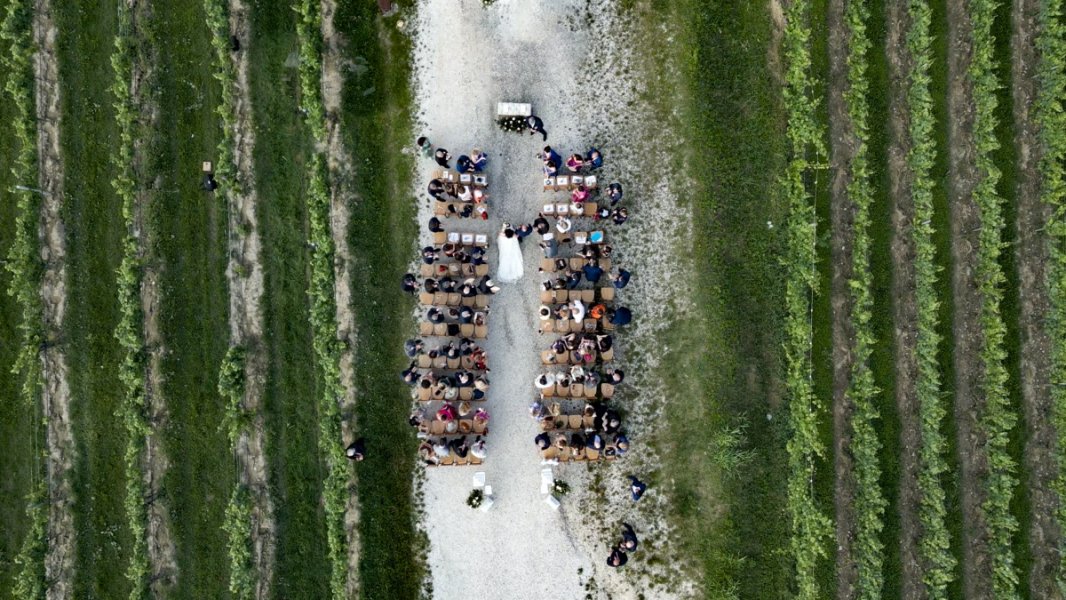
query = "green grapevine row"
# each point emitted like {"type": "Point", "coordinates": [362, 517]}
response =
{"type": "Point", "coordinates": [934, 544]}
{"type": "Point", "coordinates": [24, 265]}
{"type": "Point", "coordinates": [322, 293]}
{"type": "Point", "coordinates": [998, 418]}
{"type": "Point", "coordinates": [868, 549]}
{"type": "Point", "coordinates": [129, 330]}
{"type": "Point", "coordinates": [811, 528]}
{"type": "Point", "coordinates": [1049, 111]}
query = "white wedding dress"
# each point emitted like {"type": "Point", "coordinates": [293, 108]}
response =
{"type": "Point", "coordinates": [510, 267]}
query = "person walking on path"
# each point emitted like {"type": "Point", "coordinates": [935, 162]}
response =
{"type": "Point", "coordinates": [636, 487]}
{"type": "Point", "coordinates": [356, 450]}
{"type": "Point", "coordinates": [536, 125]}
{"type": "Point", "coordinates": [424, 146]}
{"type": "Point", "coordinates": [629, 538]}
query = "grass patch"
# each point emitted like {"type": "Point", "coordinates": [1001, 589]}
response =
{"type": "Point", "coordinates": [296, 473]}
{"type": "Point", "coordinates": [376, 117]}
{"type": "Point", "coordinates": [190, 229]}
{"type": "Point", "coordinates": [733, 523]}
{"type": "Point", "coordinates": [94, 238]}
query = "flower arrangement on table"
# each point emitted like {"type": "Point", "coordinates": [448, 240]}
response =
{"type": "Point", "coordinates": [475, 498]}
{"type": "Point", "coordinates": [516, 124]}
{"type": "Point", "coordinates": [560, 487]}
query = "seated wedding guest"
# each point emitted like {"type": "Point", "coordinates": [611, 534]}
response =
{"type": "Point", "coordinates": [551, 168]}
{"type": "Point", "coordinates": [430, 285]}
{"type": "Point", "coordinates": [442, 157]}
{"type": "Point", "coordinates": [447, 412]}
{"type": "Point", "coordinates": [615, 376]}
{"type": "Point", "coordinates": [479, 318]}
{"type": "Point", "coordinates": [449, 249]}
{"type": "Point", "coordinates": [577, 441]}
{"type": "Point", "coordinates": [418, 416]}
{"type": "Point", "coordinates": [436, 189]}
{"type": "Point", "coordinates": [441, 449]}
{"type": "Point", "coordinates": [573, 279]}
{"type": "Point", "coordinates": [447, 284]}
{"type": "Point", "coordinates": [563, 225]}
{"type": "Point", "coordinates": [604, 342]}
{"type": "Point", "coordinates": [593, 159]}
{"type": "Point", "coordinates": [468, 290]}
{"type": "Point", "coordinates": [464, 379]}
{"type": "Point", "coordinates": [486, 286]}
{"type": "Point", "coordinates": [465, 194]}
{"type": "Point", "coordinates": [577, 374]}
{"type": "Point", "coordinates": [550, 246]}
{"type": "Point", "coordinates": [621, 279]}
{"type": "Point", "coordinates": [477, 256]}
{"type": "Point", "coordinates": [409, 283]}
{"type": "Point", "coordinates": [430, 254]}
{"type": "Point", "coordinates": [588, 251]}
{"type": "Point", "coordinates": [580, 195]}
{"type": "Point", "coordinates": [478, 449]}
{"type": "Point", "coordinates": [612, 421]}
{"type": "Point", "coordinates": [614, 192]}
{"type": "Point", "coordinates": [412, 347]}
{"type": "Point", "coordinates": [543, 441]}
{"type": "Point", "coordinates": [606, 250]}
{"type": "Point", "coordinates": [460, 447]}
{"type": "Point", "coordinates": [621, 316]}
{"type": "Point", "coordinates": [546, 380]}
{"type": "Point", "coordinates": [595, 441]}
{"type": "Point", "coordinates": [481, 416]}
{"type": "Point", "coordinates": [480, 196]}
{"type": "Point", "coordinates": [427, 455]}
{"type": "Point", "coordinates": [561, 443]}
{"type": "Point", "coordinates": [572, 340]}
{"type": "Point", "coordinates": [540, 225]}
{"type": "Point", "coordinates": [410, 375]}
{"type": "Point", "coordinates": [592, 271]}
{"type": "Point", "coordinates": [478, 159]}
{"type": "Point", "coordinates": [597, 311]}
{"type": "Point", "coordinates": [620, 215]}
{"type": "Point", "coordinates": [466, 314]}
{"type": "Point", "coordinates": [603, 212]}
{"type": "Point", "coordinates": [434, 225]}
{"type": "Point", "coordinates": [559, 346]}
{"type": "Point", "coordinates": [575, 163]}
{"type": "Point", "coordinates": [463, 164]}
{"type": "Point", "coordinates": [592, 379]}
{"type": "Point", "coordinates": [577, 310]}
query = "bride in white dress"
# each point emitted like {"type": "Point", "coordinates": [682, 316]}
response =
{"type": "Point", "coordinates": [510, 268]}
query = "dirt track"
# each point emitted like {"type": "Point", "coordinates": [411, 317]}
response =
{"type": "Point", "coordinates": [1032, 257]}
{"type": "Point", "coordinates": [905, 311]}
{"type": "Point", "coordinates": [55, 397]}
{"type": "Point", "coordinates": [967, 332]}
{"type": "Point", "coordinates": [843, 148]}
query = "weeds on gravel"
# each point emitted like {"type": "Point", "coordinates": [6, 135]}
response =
{"type": "Point", "coordinates": [868, 549]}
{"type": "Point", "coordinates": [322, 294]}
{"type": "Point", "coordinates": [129, 330]}
{"type": "Point", "coordinates": [24, 265]}
{"type": "Point", "coordinates": [226, 74]}
{"type": "Point", "coordinates": [1049, 104]}
{"type": "Point", "coordinates": [934, 544]}
{"type": "Point", "coordinates": [811, 527]}
{"type": "Point", "coordinates": [998, 419]}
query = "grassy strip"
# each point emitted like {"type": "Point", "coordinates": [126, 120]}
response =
{"type": "Point", "coordinates": [999, 418]}
{"type": "Point", "coordinates": [129, 334]}
{"type": "Point", "coordinates": [868, 548]}
{"type": "Point", "coordinates": [376, 124]}
{"type": "Point", "coordinates": [811, 527]}
{"type": "Point", "coordinates": [25, 267]}
{"type": "Point", "coordinates": [934, 545]}
{"type": "Point", "coordinates": [1048, 107]}
{"type": "Point", "coordinates": [322, 291]}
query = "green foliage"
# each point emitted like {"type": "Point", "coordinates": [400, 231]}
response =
{"type": "Point", "coordinates": [998, 419]}
{"type": "Point", "coordinates": [231, 388]}
{"type": "Point", "coordinates": [238, 525]}
{"type": "Point", "coordinates": [934, 545]}
{"type": "Point", "coordinates": [24, 265]}
{"type": "Point", "coordinates": [868, 549]}
{"type": "Point", "coordinates": [129, 329]}
{"type": "Point", "coordinates": [322, 294]}
{"type": "Point", "coordinates": [226, 73]}
{"type": "Point", "coordinates": [30, 581]}
{"type": "Point", "coordinates": [1048, 110]}
{"type": "Point", "coordinates": [811, 527]}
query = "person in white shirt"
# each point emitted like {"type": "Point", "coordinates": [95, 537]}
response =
{"type": "Point", "coordinates": [577, 310]}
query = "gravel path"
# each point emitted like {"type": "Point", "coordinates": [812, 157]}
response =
{"type": "Point", "coordinates": [572, 64]}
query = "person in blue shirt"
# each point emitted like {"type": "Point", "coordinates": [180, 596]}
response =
{"type": "Point", "coordinates": [592, 271]}
{"type": "Point", "coordinates": [536, 125]}
{"type": "Point", "coordinates": [551, 155]}
{"type": "Point", "coordinates": [614, 192]}
{"type": "Point", "coordinates": [479, 160]}
{"type": "Point", "coordinates": [621, 316]}
{"type": "Point", "coordinates": [621, 279]}
{"type": "Point", "coordinates": [629, 538]}
{"type": "Point", "coordinates": [636, 487]}
{"type": "Point", "coordinates": [463, 164]}
{"type": "Point", "coordinates": [593, 160]}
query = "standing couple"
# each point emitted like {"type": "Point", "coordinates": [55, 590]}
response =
{"type": "Point", "coordinates": [510, 268]}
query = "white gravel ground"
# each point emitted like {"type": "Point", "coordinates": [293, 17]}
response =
{"type": "Point", "coordinates": [569, 60]}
